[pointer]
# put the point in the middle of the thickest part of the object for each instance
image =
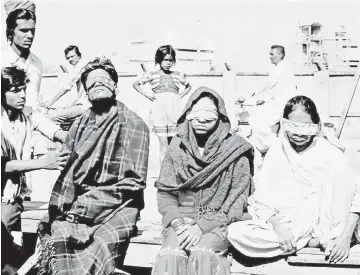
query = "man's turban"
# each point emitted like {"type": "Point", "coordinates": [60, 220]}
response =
{"type": "Point", "coordinates": [14, 5]}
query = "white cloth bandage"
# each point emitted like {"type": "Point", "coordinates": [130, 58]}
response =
{"type": "Point", "coordinates": [298, 128]}
{"type": "Point", "coordinates": [107, 82]}
{"type": "Point", "coordinates": [204, 110]}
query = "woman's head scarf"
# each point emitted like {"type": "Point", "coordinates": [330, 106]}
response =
{"type": "Point", "coordinates": [217, 176]}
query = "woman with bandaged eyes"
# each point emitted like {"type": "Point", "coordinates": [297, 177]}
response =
{"type": "Point", "coordinates": [307, 193]}
{"type": "Point", "coordinates": [204, 183]}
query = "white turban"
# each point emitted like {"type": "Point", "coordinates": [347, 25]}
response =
{"type": "Point", "coordinates": [14, 5]}
{"type": "Point", "coordinates": [307, 129]}
{"type": "Point", "coordinates": [204, 109]}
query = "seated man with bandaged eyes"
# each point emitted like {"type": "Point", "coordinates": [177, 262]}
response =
{"type": "Point", "coordinates": [97, 198]}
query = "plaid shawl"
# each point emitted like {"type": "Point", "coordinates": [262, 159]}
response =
{"type": "Point", "coordinates": [107, 169]}
{"type": "Point", "coordinates": [221, 186]}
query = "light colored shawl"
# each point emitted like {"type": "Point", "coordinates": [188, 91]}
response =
{"type": "Point", "coordinates": [312, 192]}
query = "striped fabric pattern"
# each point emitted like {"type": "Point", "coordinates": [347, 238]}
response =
{"type": "Point", "coordinates": [161, 82]}
{"type": "Point", "coordinates": [165, 131]}
{"type": "Point", "coordinates": [63, 254]}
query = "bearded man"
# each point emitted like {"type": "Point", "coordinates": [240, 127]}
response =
{"type": "Point", "coordinates": [97, 198]}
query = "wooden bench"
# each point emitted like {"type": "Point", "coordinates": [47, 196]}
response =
{"type": "Point", "coordinates": [315, 256]}
{"type": "Point", "coordinates": [143, 251]}
{"type": "Point", "coordinates": [144, 248]}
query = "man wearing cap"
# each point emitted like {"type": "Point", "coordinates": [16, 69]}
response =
{"type": "Point", "coordinates": [97, 198]}
{"type": "Point", "coordinates": [20, 33]}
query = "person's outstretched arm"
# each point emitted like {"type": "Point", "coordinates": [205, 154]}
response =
{"type": "Point", "coordinates": [62, 92]}
{"type": "Point", "coordinates": [47, 127]}
{"type": "Point", "coordinates": [52, 161]}
{"type": "Point", "coordinates": [64, 89]}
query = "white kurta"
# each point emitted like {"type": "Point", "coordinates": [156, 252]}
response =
{"type": "Point", "coordinates": [74, 77]}
{"type": "Point", "coordinates": [312, 193]}
{"type": "Point", "coordinates": [282, 87]}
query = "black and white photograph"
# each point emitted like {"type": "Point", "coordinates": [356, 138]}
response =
{"type": "Point", "coordinates": [179, 137]}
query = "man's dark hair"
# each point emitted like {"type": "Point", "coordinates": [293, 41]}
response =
{"type": "Point", "coordinates": [12, 77]}
{"type": "Point", "coordinates": [280, 48]}
{"type": "Point", "coordinates": [162, 52]}
{"type": "Point", "coordinates": [305, 102]}
{"type": "Point", "coordinates": [16, 15]}
{"type": "Point", "coordinates": [72, 47]}
{"type": "Point", "coordinates": [99, 63]}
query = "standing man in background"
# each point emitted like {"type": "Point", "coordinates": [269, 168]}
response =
{"type": "Point", "coordinates": [20, 33]}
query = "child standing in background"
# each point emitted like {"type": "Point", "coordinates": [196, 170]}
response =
{"type": "Point", "coordinates": [165, 85]}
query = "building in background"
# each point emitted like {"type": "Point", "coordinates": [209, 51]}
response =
{"type": "Point", "coordinates": [311, 43]}
{"type": "Point", "coordinates": [336, 50]}
{"type": "Point", "coordinates": [343, 52]}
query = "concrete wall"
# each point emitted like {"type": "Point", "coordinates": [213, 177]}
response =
{"type": "Point", "coordinates": [233, 85]}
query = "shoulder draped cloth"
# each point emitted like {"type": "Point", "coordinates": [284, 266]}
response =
{"type": "Point", "coordinates": [314, 190]}
{"type": "Point", "coordinates": [104, 174]}
{"type": "Point", "coordinates": [107, 160]}
{"type": "Point", "coordinates": [215, 178]}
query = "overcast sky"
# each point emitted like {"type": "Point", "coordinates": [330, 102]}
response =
{"type": "Point", "coordinates": [240, 31]}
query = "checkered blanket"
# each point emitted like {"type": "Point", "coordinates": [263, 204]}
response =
{"type": "Point", "coordinates": [68, 250]}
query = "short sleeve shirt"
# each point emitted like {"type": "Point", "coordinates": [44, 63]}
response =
{"type": "Point", "coordinates": [34, 69]}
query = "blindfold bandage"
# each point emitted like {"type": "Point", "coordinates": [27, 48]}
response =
{"type": "Point", "coordinates": [203, 110]}
{"type": "Point", "coordinates": [298, 128]}
{"type": "Point", "coordinates": [203, 115]}
{"type": "Point", "coordinates": [107, 82]}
